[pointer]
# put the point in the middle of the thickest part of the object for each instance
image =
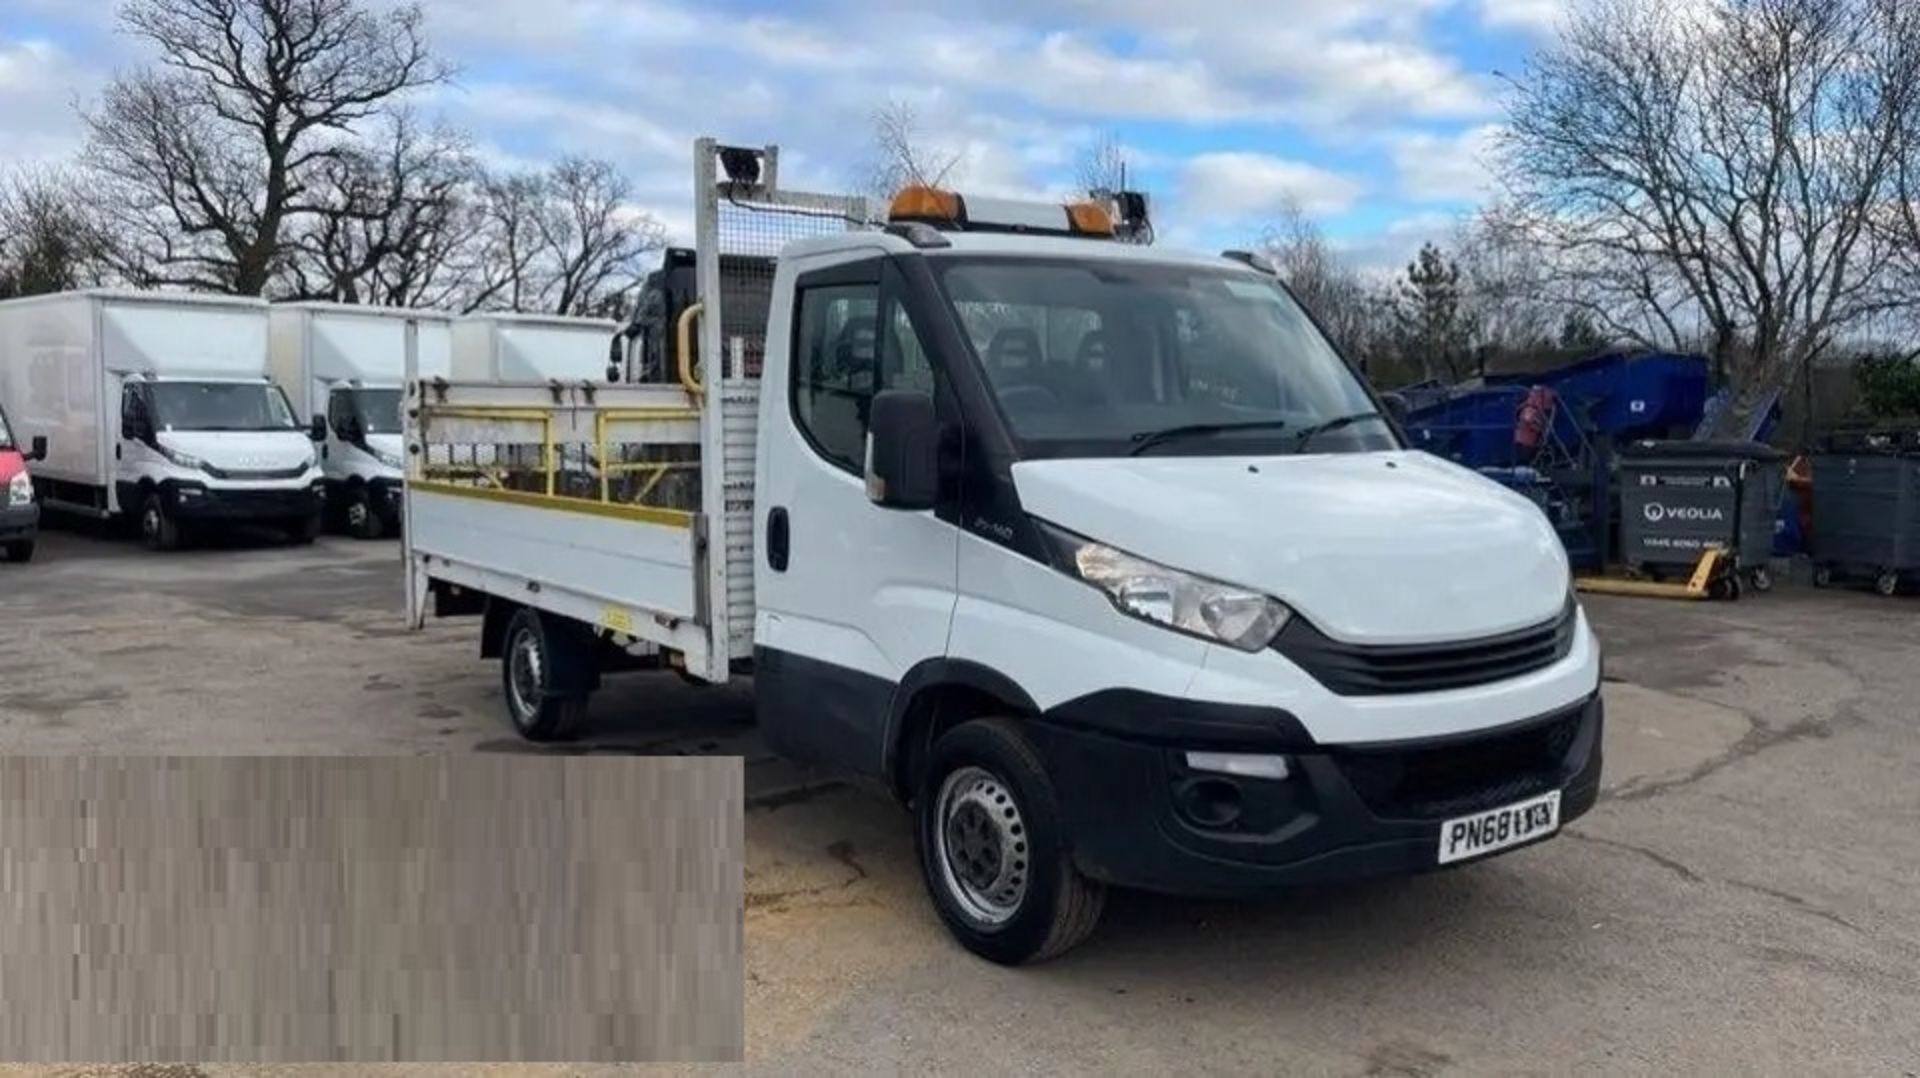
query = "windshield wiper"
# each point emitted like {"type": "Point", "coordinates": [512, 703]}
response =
{"type": "Point", "coordinates": [1301, 439]}
{"type": "Point", "coordinates": [1147, 439]}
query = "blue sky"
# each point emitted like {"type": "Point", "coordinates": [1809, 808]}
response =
{"type": "Point", "coordinates": [1373, 115]}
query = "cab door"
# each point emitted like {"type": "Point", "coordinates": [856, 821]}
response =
{"type": "Point", "coordinates": [850, 596]}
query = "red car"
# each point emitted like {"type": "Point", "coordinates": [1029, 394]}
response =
{"type": "Point", "coordinates": [19, 516]}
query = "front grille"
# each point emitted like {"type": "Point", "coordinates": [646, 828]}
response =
{"type": "Point", "coordinates": [1463, 776]}
{"type": "Point", "coordinates": [256, 474]}
{"type": "Point", "coordinates": [1381, 670]}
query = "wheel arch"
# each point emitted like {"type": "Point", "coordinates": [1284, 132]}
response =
{"type": "Point", "coordinates": [935, 696]}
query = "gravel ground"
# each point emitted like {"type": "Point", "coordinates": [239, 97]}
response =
{"type": "Point", "coordinates": [1742, 899]}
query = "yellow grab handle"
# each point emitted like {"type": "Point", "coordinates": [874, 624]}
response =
{"type": "Point", "coordinates": [685, 326]}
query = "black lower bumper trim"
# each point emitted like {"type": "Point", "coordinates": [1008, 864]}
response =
{"type": "Point", "coordinates": [1139, 818]}
{"type": "Point", "coordinates": [206, 503]}
{"type": "Point", "coordinates": [19, 522]}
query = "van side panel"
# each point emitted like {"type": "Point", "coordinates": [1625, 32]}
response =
{"type": "Point", "coordinates": [51, 382]}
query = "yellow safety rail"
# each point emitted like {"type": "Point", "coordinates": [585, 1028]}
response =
{"type": "Point", "coordinates": [542, 416]}
{"type": "Point", "coordinates": [685, 326]}
{"type": "Point", "coordinates": [608, 467]}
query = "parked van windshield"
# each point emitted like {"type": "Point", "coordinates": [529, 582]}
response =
{"type": "Point", "coordinates": [1112, 358]}
{"type": "Point", "coordinates": [220, 406]}
{"type": "Point", "coordinates": [378, 409]}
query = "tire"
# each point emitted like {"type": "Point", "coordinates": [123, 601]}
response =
{"type": "Point", "coordinates": [540, 664]}
{"type": "Point", "coordinates": [1761, 580]}
{"type": "Point", "coordinates": [158, 529]}
{"type": "Point", "coordinates": [362, 520]}
{"type": "Point", "coordinates": [302, 531]}
{"type": "Point", "coordinates": [20, 551]}
{"type": "Point", "coordinates": [1887, 583]}
{"type": "Point", "coordinates": [1823, 576]}
{"type": "Point", "coordinates": [983, 793]}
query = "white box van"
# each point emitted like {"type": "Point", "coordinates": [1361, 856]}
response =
{"type": "Point", "coordinates": [342, 366]}
{"type": "Point", "coordinates": [157, 406]}
{"type": "Point", "coordinates": [502, 347]}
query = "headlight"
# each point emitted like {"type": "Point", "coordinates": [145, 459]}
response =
{"type": "Point", "coordinates": [1228, 613]}
{"type": "Point", "coordinates": [185, 460]}
{"type": "Point", "coordinates": [19, 489]}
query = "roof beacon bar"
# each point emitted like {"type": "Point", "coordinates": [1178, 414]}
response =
{"type": "Point", "coordinates": [919, 204]}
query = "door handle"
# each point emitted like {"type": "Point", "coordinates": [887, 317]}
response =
{"type": "Point", "coordinates": [116, 450]}
{"type": "Point", "coordinates": [778, 538]}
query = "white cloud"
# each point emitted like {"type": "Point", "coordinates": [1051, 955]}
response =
{"type": "Point", "coordinates": [1538, 17]}
{"type": "Point", "coordinates": [1387, 252]}
{"type": "Point", "coordinates": [1240, 186]}
{"type": "Point", "coordinates": [39, 83]}
{"type": "Point", "coordinates": [1445, 168]}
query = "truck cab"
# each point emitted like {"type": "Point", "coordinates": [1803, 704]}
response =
{"type": "Point", "coordinates": [203, 452]}
{"type": "Point", "coordinates": [19, 512]}
{"type": "Point", "coordinates": [1097, 555]}
{"type": "Point", "coordinates": [343, 366]}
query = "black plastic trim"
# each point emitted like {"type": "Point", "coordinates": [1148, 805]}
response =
{"type": "Point", "coordinates": [1151, 718]}
{"type": "Point", "coordinates": [821, 713]}
{"type": "Point", "coordinates": [1396, 669]}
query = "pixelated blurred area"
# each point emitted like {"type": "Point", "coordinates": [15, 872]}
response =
{"type": "Point", "coordinates": [367, 909]}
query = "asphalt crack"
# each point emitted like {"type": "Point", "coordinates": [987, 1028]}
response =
{"type": "Point", "coordinates": [1758, 738]}
{"type": "Point", "coordinates": [1691, 876]}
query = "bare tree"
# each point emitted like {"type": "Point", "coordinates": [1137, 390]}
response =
{"type": "Point", "coordinates": [1103, 166]}
{"type": "Point", "coordinates": [903, 153]}
{"type": "Point", "coordinates": [208, 158]}
{"type": "Point", "coordinates": [389, 223]}
{"type": "Point", "coordinates": [1719, 163]}
{"type": "Point", "coordinates": [596, 244]}
{"type": "Point", "coordinates": [49, 240]}
{"type": "Point", "coordinates": [1503, 286]}
{"type": "Point", "coordinates": [564, 241]}
{"type": "Point", "coordinates": [1333, 291]}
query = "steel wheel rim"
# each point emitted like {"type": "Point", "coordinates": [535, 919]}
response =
{"type": "Point", "coordinates": [357, 515]}
{"type": "Point", "coordinates": [524, 668]}
{"type": "Point", "coordinates": [980, 844]}
{"type": "Point", "coordinates": [150, 522]}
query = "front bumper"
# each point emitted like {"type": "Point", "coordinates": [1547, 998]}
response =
{"type": "Point", "coordinates": [19, 522]}
{"type": "Point", "coordinates": [1138, 817]}
{"type": "Point", "coordinates": [195, 501]}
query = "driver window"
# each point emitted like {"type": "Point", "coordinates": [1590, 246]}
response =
{"type": "Point", "coordinates": [339, 411]}
{"type": "Point", "coordinates": [133, 408]}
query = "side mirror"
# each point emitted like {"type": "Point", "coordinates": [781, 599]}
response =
{"type": "Point", "coordinates": [38, 448]}
{"type": "Point", "coordinates": [317, 430]}
{"type": "Point", "coordinates": [903, 450]}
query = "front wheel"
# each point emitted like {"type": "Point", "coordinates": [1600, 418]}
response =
{"type": "Point", "coordinates": [158, 529]}
{"type": "Point", "coordinates": [363, 520]}
{"type": "Point", "coordinates": [1887, 583]}
{"type": "Point", "coordinates": [537, 664]}
{"type": "Point", "coordinates": [992, 852]}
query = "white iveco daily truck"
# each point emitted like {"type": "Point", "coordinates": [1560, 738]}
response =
{"type": "Point", "coordinates": [500, 347]}
{"type": "Point", "coordinates": [1097, 555]}
{"type": "Point", "coordinates": [342, 365]}
{"type": "Point", "coordinates": [157, 407]}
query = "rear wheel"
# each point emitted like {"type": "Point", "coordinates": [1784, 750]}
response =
{"type": "Point", "coordinates": [158, 529]}
{"type": "Point", "coordinates": [992, 852]}
{"type": "Point", "coordinates": [20, 550]}
{"type": "Point", "coordinates": [539, 674]}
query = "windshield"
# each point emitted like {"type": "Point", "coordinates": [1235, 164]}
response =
{"type": "Point", "coordinates": [1103, 359]}
{"type": "Point", "coordinates": [378, 409]}
{"type": "Point", "coordinates": [220, 406]}
{"type": "Point", "coordinates": [6, 436]}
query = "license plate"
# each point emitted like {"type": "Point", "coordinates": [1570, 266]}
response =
{"type": "Point", "coordinates": [1496, 829]}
